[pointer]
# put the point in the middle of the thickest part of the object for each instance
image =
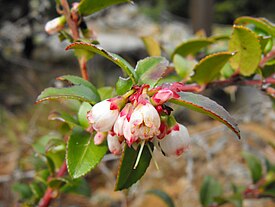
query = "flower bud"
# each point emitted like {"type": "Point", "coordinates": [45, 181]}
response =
{"type": "Point", "coordinates": [145, 121]}
{"type": "Point", "coordinates": [119, 124]}
{"type": "Point", "coordinates": [100, 137]}
{"type": "Point", "coordinates": [114, 145]}
{"type": "Point", "coordinates": [163, 96]}
{"type": "Point", "coordinates": [176, 142]}
{"type": "Point", "coordinates": [103, 116]}
{"type": "Point", "coordinates": [55, 25]}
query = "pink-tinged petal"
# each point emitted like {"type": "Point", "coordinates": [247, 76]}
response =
{"type": "Point", "coordinates": [175, 143]}
{"type": "Point", "coordinates": [102, 117]}
{"type": "Point", "coordinates": [162, 96]}
{"type": "Point", "coordinates": [129, 136]}
{"type": "Point", "coordinates": [100, 137]}
{"type": "Point", "coordinates": [114, 145]}
{"type": "Point", "coordinates": [151, 116]}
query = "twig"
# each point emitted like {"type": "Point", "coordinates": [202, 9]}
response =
{"type": "Point", "coordinates": [45, 201]}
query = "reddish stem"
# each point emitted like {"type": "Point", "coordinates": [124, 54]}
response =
{"type": "Point", "coordinates": [45, 201]}
{"type": "Point", "coordinates": [83, 67]}
{"type": "Point", "coordinates": [72, 20]}
{"type": "Point", "coordinates": [266, 58]}
{"type": "Point", "coordinates": [72, 24]}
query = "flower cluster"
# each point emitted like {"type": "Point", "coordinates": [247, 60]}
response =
{"type": "Point", "coordinates": [139, 116]}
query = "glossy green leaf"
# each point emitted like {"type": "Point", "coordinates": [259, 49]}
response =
{"type": "Point", "coordinates": [258, 22]}
{"type": "Point", "coordinates": [78, 92]}
{"type": "Point", "coordinates": [254, 165]}
{"type": "Point", "coordinates": [163, 196]}
{"type": "Point", "coordinates": [191, 46]}
{"type": "Point", "coordinates": [63, 117]}
{"type": "Point", "coordinates": [88, 7]}
{"type": "Point", "coordinates": [183, 66]}
{"type": "Point", "coordinates": [127, 176]}
{"type": "Point", "coordinates": [106, 92]}
{"type": "Point", "coordinates": [248, 48]}
{"type": "Point", "coordinates": [82, 154]}
{"type": "Point", "coordinates": [123, 85]}
{"type": "Point", "coordinates": [150, 70]}
{"type": "Point", "coordinates": [123, 64]}
{"type": "Point", "coordinates": [207, 106]}
{"type": "Point", "coordinates": [209, 190]}
{"type": "Point", "coordinates": [152, 46]}
{"type": "Point", "coordinates": [209, 67]}
{"type": "Point", "coordinates": [82, 114]}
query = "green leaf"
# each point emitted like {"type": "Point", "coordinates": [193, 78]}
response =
{"type": "Point", "coordinates": [82, 114]}
{"type": "Point", "coordinates": [40, 145]}
{"type": "Point", "coordinates": [209, 190]}
{"type": "Point", "coordinates": [207, 106]}
{"type": "Point", "coordinates": [78, 92]}
{"type": "Point", "coordinates": [163, 196]}
{"type": "Point", "coordinates": [77, 186]}
{"type": "Point", "coordinates": [152, 46]}
{"type": "Point", "coordinates": [150, 70]}
{"type": "Point", "coordinates": [63, 117]}
{"type": "Point", "coordinates": [183, 66]}
{"type": "Point", "coordinates": [88, 7]}
{"type": "Point", "coordinates": [258, 22]}
{"type": "Point", "coordinates": [123, 64]}
{"type": "Point", "coordinates": [55, 157]}
{"type": "Point", "coordinates": [191, 46]}
{"type": "Point", "coordinates": [266, 43]}
{"type": "Point", "coordinates": [210, 67]}
{"type": "Point", "coordinates": [106, 92]}
{"type": "Point", "coordinates": [82, 154]}
{"type": "Point", "coordinates": [127, 176]}
{"type": "Point", "coordinates": [75, 80]}
{"type": "Point", "coordinates": [23, 190]}
{"type": "Point", "coordinates": [248, 48]}
{"type": "Point", "coordinates": [123, 85]}
{"type": "Point", "coordinates": [236, 200]}
{"type": "Point", "coordinates": [254, 165]}
{"type": "Point", "coordinates": [57, 183]}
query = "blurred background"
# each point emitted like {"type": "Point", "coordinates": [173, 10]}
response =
{"type": "Point", "coordinates": [30, 60]}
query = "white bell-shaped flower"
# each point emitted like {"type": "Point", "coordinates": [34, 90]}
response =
{"type": "Point", "coordinates": [102, 116]}
{"type": "Point", "coordinates": [176, 142]}
{"type": "Point", "coordinates": [144, 121]}
{"type": "Point", "coordinates": [114, 145]}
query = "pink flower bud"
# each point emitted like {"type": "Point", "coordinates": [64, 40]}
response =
{"type": "Point", "coordinates": [163, 96]}
{"type": "Point", "coordinates": [176, 142]}
{"type": "Point", "coordinates": [103, 116]}
{"type": "Point", "coordinates": [55, 25]}
{"type": "Point", "coordinates": [100, 137]}
{"type": "Point", "coordinates": [114, 145]}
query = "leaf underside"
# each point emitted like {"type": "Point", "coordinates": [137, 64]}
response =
{"type": "Point", "coordinates": [209, 67]}
{"type": "Point", "coordinates": [209, 107]}
{"type": "Point", "coordinates": [248, 48]}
